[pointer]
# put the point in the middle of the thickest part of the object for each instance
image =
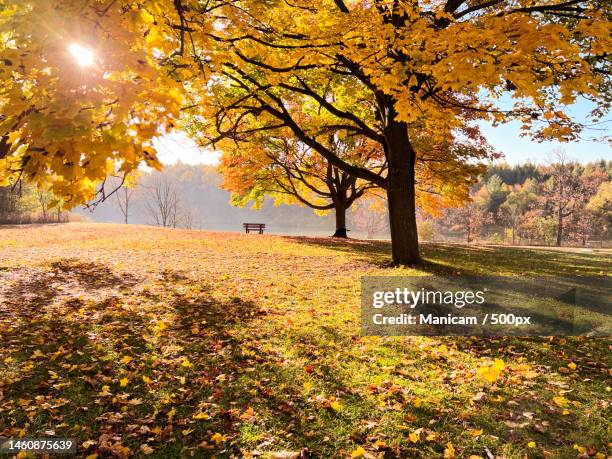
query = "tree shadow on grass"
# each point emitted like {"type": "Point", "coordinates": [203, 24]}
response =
{"type": "Point", "coordinates": [62, 362]}
{"type": "Point", "coordinates": [376, 253]}
{"type": "Point", "coordinates": [110, 369]}
{"type": "Point", "coordinates": [196, 362]}
{"type": "Point", "coordinates": [511, 260]}
{"type": "Point", "coordinates": [462, 259]}
{"type": "Point", "coordinates": [31, 292]}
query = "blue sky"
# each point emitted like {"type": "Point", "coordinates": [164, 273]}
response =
{"type": "Point", "coordinates": [519, 149]}
{"type": "Point", "coordinates": [506, 138]}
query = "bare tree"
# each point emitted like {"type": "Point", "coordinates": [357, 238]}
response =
{"type": "Point", "coordinates": [44, 198]}
{"type": "Point", "coordinates": [162, 202]}
{"type": "Point", "coordinates": [187, 218]}
{"type": "Point", "coordinates": [124, 197]}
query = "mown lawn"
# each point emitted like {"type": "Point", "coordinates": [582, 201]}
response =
{"type": "Point", "coordinates": [172, 343]}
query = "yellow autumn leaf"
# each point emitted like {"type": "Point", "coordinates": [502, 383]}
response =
{"type": "Point", "coordinates": [336, 406]}
{"type": "Point", "coordinates": [248, 414]}
{"type": "Point", "coordinates": [572, 366]}
{"type": "Point", "coordinates": [531, 444]}
{"type": "Point", "coordinates": [123, 382]}
{"type": "Point", "coordinates": [105, 392]}
{"type": "Point", "coordinates": [414, 437]}
{"type": "Point", "coordinates": [491, 373]}
{"type": "Point", "coordinates": [201, 416]}
{"type": "Point", "coordinates": [580, 449]}
{"type": "Point", "coordinates": [359, 452]}
{"type": "Point", "coordinates": [146, 379]}
{"type": "Point", "coordinates": [449, 451]}
{"type": "Point", "coordinates": [218, 438]}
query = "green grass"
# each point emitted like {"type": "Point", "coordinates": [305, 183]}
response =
{"type": "Point", "coordinates": [261, 334]}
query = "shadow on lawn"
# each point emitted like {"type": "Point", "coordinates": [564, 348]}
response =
{"type": "Point", "coordinates": [487, 259]}
{"type": "Point", "coordinates": [377, 253]}
{"type": "Point", "coordinates": [68, 355]}
{"type": "Point", "coordinates": [453, 259]}
{"type": "Point", "coordinates": [234, 363]}
{"type": "Point", "coordinates": [41, 287]}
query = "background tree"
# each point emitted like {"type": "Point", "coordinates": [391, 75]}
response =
{"type": "Point", "coordinates": [162, 201]}
{"type": "Point", "coordinates": [17, 203]}
{"type": "Point", "coordinates": [601, 206]}
{"type": "Point", "coordinates": [369, 216]}
{"type": "Point", "coordinates": [493, 194]}
{"type": "Point", "coordinates": [427, 229]}
{"type": "Point", "coordinates": [125, 194]}
{"type": "Point", "coordinates": [288, 170]}
{"type": "Point", "coordinates": [9, 204]}
{"type": "Point", "coordinates": [470, 220]}
{"type": "Point", "coordinates": [44, 198]}
{"type": "Point", "coordinates": [567, 191]}
{"type": "Point", "coordinates": [519, 201]}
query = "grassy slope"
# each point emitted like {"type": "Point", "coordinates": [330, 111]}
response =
{"type": "Point", "coordinates": [260, 334]}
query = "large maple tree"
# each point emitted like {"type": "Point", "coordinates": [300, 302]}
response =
{"type": "Point", "coordinates": [387, 69]}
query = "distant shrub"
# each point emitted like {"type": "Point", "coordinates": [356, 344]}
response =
{"type": "Point", "coordinates": [427, 230]}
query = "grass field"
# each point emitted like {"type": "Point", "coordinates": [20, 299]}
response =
{"type": "Point", "coordinates": [174, 343]}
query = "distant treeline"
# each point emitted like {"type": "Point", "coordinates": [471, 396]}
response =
{"type": "Point", "coordinates": [23, 203]}
{"type": "Point", "coordinates": [563, 203]}
{"type": "Point", "coordinates": [560, 203]}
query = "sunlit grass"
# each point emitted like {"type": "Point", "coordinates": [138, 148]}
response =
{"type": "Point", "coordinates": [256, 339]}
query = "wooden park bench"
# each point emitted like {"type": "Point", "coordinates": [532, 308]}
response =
{"type": "Point", "coordinates": [248, 227]}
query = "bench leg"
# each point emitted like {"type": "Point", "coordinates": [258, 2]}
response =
{"type": "Point", "coordinates": [260, 230]}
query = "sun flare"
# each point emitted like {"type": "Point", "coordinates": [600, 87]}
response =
{"type": "Point", "coordinates": [83, 56]}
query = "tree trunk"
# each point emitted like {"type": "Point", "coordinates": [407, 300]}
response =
{"type": "Point", "coordinates": [401, 194]}
{"type": "Point", "coordinates": [559, 228]}
{"type": "Point", "coordinates": [340, 209]}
